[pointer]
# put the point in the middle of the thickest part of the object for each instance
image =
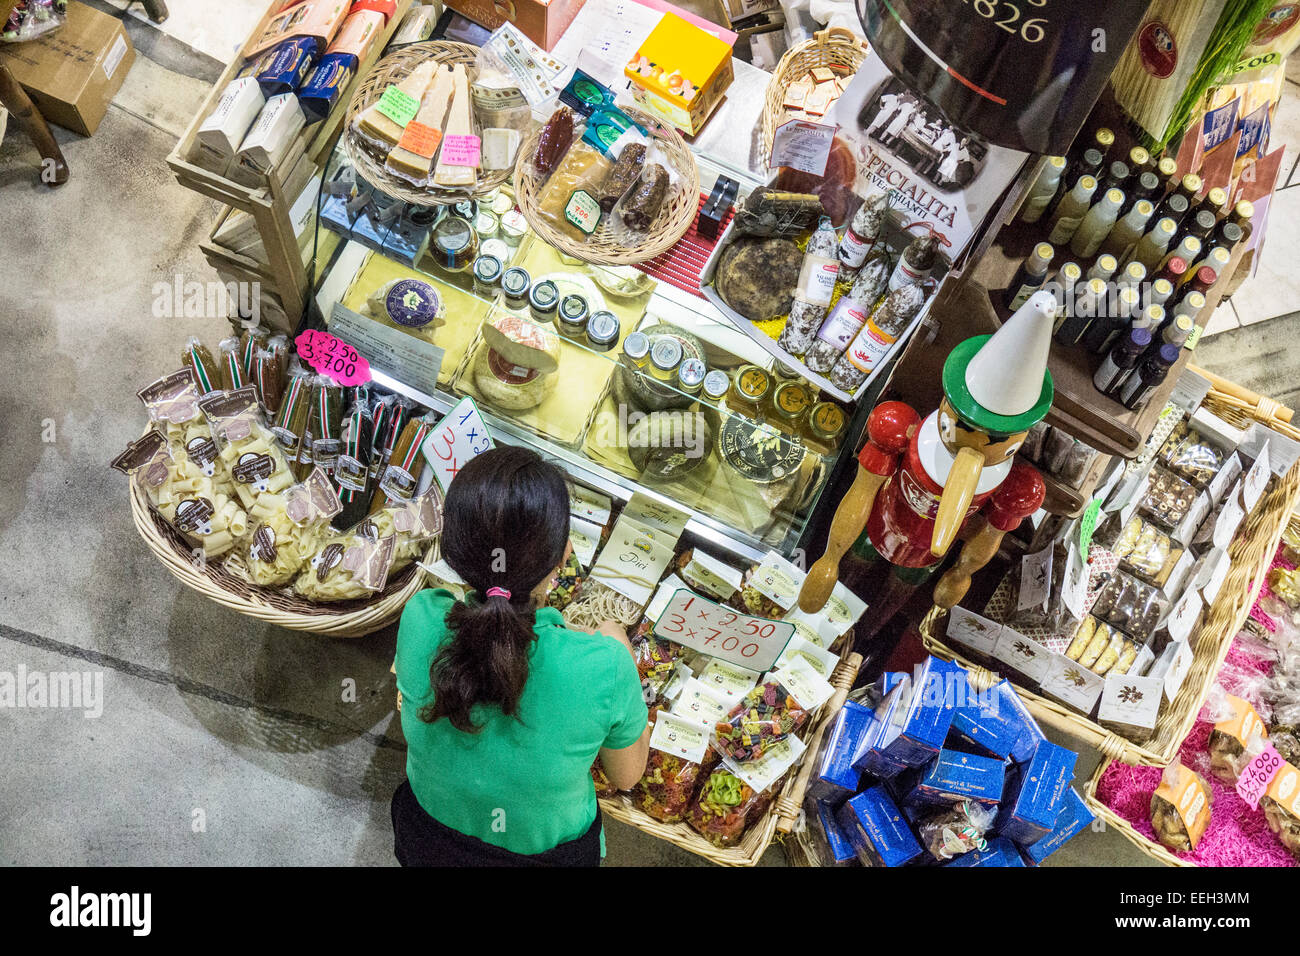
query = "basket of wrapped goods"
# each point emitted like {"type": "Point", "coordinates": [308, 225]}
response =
{"type": "Point", "coordinates": [613, 187]}
{"type": "Point", "coordinates": [809, 79]}
{"type": "Point", "coordinates": [431, 124]}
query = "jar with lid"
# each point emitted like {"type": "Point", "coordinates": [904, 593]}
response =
{"type": "Point", "coordinates": [453, 244]}
{"type": "Point", "coordinates": [571, 317]}
{"type": "Point", "coordinates": [515, 283]}
{"type": "Point", "coordinates": [487, 276]}
{"type": "Point", "coordinates": [636, 350]}
{"type": "Point", "coordinates": [544, 301]}
{"type": "Point", "coordinates": [602, 331]}
{"type": "Point", "coordinates": [749, 391]}
{"type": "Point", "coordinates": [654, 387]}
{"type": "Point", "coordinates": [824, 426]}
{"type": "Point", "coordinates": [789, 405]}
{"type": "Point", "coordinates": [690, 376]}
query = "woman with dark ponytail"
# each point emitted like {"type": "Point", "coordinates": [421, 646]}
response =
{"type": "Point", "coordinates": [504, 708]}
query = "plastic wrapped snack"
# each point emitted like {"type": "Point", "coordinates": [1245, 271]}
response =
{"type": "Point", "coordinates": [203, 368]}
{"type": "Point", "coordinates": [1145, 550]}
{"type": "Point", "coordinates": [956, 830]}
{"type": "Point", "coordinates": [569, 200]}
{"type": "Point", "coordinates": [257, 464]}
{"type": "Point", "coordinates": [1237, 736]}
{"type": "Point", "coordinates": [764, 716]}
{"type": "Point", "coordinates": [185, 497]}
{"type": "Point", "coordinates": [725, 806]}
{"type": "Point", "coordinates": [1190, 456]}
{"type": "Point", "coordinates": [400, 477]}
{"type": "Point", "coordinates": [656, 660]}
{"type": "Point", "coordinates": [665, 790]}
{"type": "Point", "coordinates": [596, 602]}
{"type": "Point", "coordinates": [287, 528]}
{"type": "Point", "coordinates": [1131, 605]}
{"type": "Point", "coordinates": [1167, 498]}
{"type": "Point", "coordinates": [1281, 806]}
{"type": "Point", "coordinates": [172, 406]}
{"type": "Point", "coordinates": [347, 566]}
{"type": "Point", "coordinates": [33, 18]}
{"type": "Point", "coordinates": [1180, 808]}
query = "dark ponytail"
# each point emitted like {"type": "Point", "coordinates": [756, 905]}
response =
{"type": "Point", "coordinates": [505, 525]}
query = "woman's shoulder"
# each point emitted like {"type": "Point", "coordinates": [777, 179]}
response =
{"type": "Point", "coordinates": [595, 649]}
{"type": "Point", "coordinates": [425, 615]}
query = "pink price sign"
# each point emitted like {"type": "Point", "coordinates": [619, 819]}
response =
{"type": "Point", "coordinates": [333, 357]}
{"type": "Point", "coordinates": [1257, 775]}
{"type": "Point", "coordinates": [700, 624]}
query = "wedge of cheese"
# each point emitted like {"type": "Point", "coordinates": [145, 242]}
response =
{"type": "Point", "coordinates": [380, 129]}
{"type": "Point", "coordinates": [412, 157]}
{"type": "Point", "coordinates": [459, 123]}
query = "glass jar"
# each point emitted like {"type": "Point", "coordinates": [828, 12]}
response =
{"type": "Point", "coordinates": [515, 283]}
{"type": "Point", "coordinates": [602, 331]}
{"type": "Point", "coordinates": [453, 244]}
{"type": "Point", "coordinates": [487, 276]}
{"type": "Point", "coordinates": [825, 425]}
{"type": "Point", "coordinates": [544, 301]}
{"type": "Point", "coordinates": [749, 390]}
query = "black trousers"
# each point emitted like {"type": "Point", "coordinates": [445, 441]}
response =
{"type": "Point", "coordinates": [420, 840]}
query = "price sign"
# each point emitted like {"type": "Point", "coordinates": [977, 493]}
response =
{"type": "Point", "coordinates": [700, 624]}
{"type": "Point", "coordinates": [1257, 775]}
{"type": "Point", "coordinates": [460, 436]}
{"type": "Point", "coordinates": [333, 357]}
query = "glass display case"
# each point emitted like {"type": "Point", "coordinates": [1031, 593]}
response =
{"type": "Point", "coordinates": [631, 384]}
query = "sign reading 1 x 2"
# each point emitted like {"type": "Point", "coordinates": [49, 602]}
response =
{"type": "Point", "coordinates": [702, 625]}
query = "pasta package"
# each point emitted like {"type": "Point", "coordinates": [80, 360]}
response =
{"type": "Point", "coordinates": [665, 789]}
{"type": "Point", "coordinates": [725, 807]}
{"type": "Point", "coordinates": [346, 567]}
{"type": "Point", "coordinates": [183, 495]}
{"type": "Point", "coordinates": [172, 404]}
{"type": "Point", "coordinates": [765, 716]}
{"type": "Point", "coordinates": [256, 463]}
{"type": "Point", "coordinates": [400, 477]}
{"type": "Point", "coordinates": [412, 524]}
{"type": "Point", "coordinates": [287, 528]}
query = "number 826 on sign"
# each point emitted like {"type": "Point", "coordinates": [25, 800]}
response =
{"type": "Point", "coordinates": [702, 625]}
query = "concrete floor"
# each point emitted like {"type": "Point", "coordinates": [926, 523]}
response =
{"type": "Point", "coordinates": [221, 740]}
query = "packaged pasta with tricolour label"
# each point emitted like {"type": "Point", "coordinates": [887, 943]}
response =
{"type": "Point", "coordinates": [347, 566]}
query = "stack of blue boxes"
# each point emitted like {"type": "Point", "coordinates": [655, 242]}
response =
{"type": "Point", "coordinates": [912, 746]}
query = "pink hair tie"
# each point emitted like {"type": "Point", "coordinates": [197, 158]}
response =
{"type": "Point", "coordinates": [498, 592]}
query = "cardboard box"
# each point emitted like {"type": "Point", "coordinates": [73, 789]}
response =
{"type": "Point", "coordinates": [72, 73]}
{"type": "Point", "coordinates": [680, 73]}
{"type": "Point", "coordinates": [542, 21]}
{"type": "Point", "coordinates": [877, 831]}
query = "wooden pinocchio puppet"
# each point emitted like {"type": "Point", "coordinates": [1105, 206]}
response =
{"type": "Point", "coordinates": [920, 480]}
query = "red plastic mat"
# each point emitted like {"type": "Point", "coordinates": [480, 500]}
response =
{"type": "Point", "coordinates": [681, 265]}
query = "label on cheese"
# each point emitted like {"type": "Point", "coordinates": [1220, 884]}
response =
{"type": "Point", "coordinates": [459, 149]}
{"type": "Point", "coordinates": [398, 105]}
{"type": "Point", "coordinates": [583, 211]}
{"type": "Point", "coordinates": [420, 139]}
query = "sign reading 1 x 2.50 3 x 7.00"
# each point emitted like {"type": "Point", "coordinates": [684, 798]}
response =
{"type": "Point", "coordinates": [700, 624]}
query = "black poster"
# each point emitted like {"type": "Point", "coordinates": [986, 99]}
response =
{"type": "Point", "coordinates": [1021, 73]}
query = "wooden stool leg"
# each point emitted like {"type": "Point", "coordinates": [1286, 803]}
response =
{"type": "Point", "coordinates": [155, 9]}
{"type": "Point", "coordinates": [54, 169]}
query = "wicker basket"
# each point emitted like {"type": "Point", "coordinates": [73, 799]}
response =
{"type": "Point", "coordinates": [779, 818]}
{"type": "Point", "coordinates": [340, 619]}
{"type": "Point", "coordinates": [369, 162]}
{"type": "Point", "coordinates": [602, 247]}
{"type": "Point", "coordinates": [1251, 553]}
{"type": "Point", "coordinates": [831, 48]}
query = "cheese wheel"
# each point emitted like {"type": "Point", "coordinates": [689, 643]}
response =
{"type": "Point", "coordinates": [523, 343]}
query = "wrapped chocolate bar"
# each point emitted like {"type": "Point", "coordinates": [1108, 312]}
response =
{"type": "Point", "coordinates": [725, 806]}
{"type": "Point", "coordinates": [1180, 808]}
{"type": "Point", "coordinates": [1167, 499]}
{"type": "Point", "coordinates": [1066, 457]}
{"type": "Point", "coordinates": [1131, 605]}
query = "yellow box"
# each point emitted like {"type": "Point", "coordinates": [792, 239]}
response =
{"type": "Point", "coordinates": [680, 73]}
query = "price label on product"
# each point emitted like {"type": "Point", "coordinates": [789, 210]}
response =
{"type": "Point", "coordinates": [803, 146]}
{"type": "Point", "coordinates": [460, 436]}
{"type": "Point", "coordinates": [1257, 775]}
{"type": "Point", "coordinates": [698, 623]}
{"type": "Point", "coordinates": [460, 149]}
{"type": "Point", "coordinates": [398, 105]}
{"type": "Point", "coordinates": [332, 357]}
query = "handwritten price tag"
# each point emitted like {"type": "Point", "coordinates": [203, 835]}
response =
{"type": "Point", "coordinates": [702, 625]}
{"type": "Point", "coordinates": [1257, 775]}
{"type": "Point", "coordinates": [455, 440]}
{"type": "Point", "coordinates": [333, 357]}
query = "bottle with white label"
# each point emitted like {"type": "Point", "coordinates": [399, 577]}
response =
{"type": "Point", "coordinates": [1150, 249]}
{"type": "Point", "coordinates": [1043, 189]}
{"type": "Point", "coordinates": [916, 262]}
{"type": "Point", "coordinates": [1129, 230]}
{"type": "Point", "coordinates": [1097, 223]}
{"type": "Point", "coordinates": [1030, 276]}
{"type": "Point", "coordinates": [812, 296]}
{"type": "Point", "coordinates": [863, 232]}
{"type": "Point", "coordinates": [1070, 211]}
{"type": "Point", "coordinates": [848, 316]}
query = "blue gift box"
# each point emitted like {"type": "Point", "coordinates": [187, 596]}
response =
{"type": "Point", "coordinates": [835, 775]}
{"type": "Point", "coordinates": [869, 757]}
{"type": "Point", "coordinates": [999, 852]}
{"type": "Point", "coordinates": [876, 829]}
{"type": "Point", "coordinates": [953, 776]}
{"type": "Point", "coordinates": [841, 850]}
{"type": "Point", "coordinates": [914, 733]}
{"type": "Point", "coordinates": [1074, 816]}
{"type": "Point", "coordinates": [999, 724]}
{"type": "Point", "coordinates": [1035, 793]}
{"type": "Point", "coordinates": [407, 241]}
{"type": "Point", "coordinates": [334, 215]}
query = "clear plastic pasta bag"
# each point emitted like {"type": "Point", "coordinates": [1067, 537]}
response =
{"type": "Point", "coordinates": [412, 524]}
{"type": "Point", "coordinates": [765, 716]}
{"type": "Point", "coordinates": [172, 405]}
{"type": "Point", "coordinates": [346, 567]}
{"type": "Point", "coordinates": [726, 806]}
{"type": "Point", "coordinates": [257, 464]}
{"type": "Point", "coordinates": [287, 529]}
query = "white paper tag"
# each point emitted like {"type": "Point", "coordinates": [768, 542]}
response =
{"type": "Point", "coordinates": [444, 571]}
{"type": "Point", "coordinates": [655, 515]}
{"type": "Point", "coordinates": [809, 689]}
{"type": "Point", "coordinates": [592, 505]}
{"type": "Point", "coordinates": [802, 145]}
{"type": "Point", "coordinates": [844, 607]}
{"type": "Point", "coordinates": [1132, 701]}
{"type": "Point", "coordinates": [117, 51]}
{"type": "Point", "coordinates": [677, 682]}
{"type": "Point", "coordinates": [1074, 585]}
{"type": "Point", "coordinates": [699, 702]}
{"type": "Point", "coordinates": [1252, 486]}
{"type": "Point", "coordinates": [820, 660]}
{"type": "Point", "coordinates": [730, 681]}
{"type": "Point", "coordinates": [680, 736]}
{"type": "Point", "coordinates": [1022, 653]}
{"type": "Point", "coordinates": [667, 588]}
{"type": "Point", "coordinates": [1180, 664]}
{"type": "Point", "coordinates": [1184, 615]}
{"type": "Point", "coordinates": [1226, 526]}
{"type": "Point", "coordinates": [1215, 572]}
{"type": "Point", "coordinates": [715, 575]}
{"type": "Point", "coordinates": [970, 630]}
{"type": "Point", "coordinates": [816, 628]}
{"type": "Point", "coordinates": [1224, 478]}
{"type": "Point", "coordinates": [1035, 579]}
{"type": "Point", "coordinates": [764, 771]}
{"type": "Point", "coordinates": [778, 580]}
{"type": "Point", "coordinates": [585, 536]}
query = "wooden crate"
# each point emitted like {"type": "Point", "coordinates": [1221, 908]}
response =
{"type": "Point", "coordinates": [268, 203]}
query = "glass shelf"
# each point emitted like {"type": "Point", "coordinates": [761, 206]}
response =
{"type": "Point", "coordinates": [748, 485]}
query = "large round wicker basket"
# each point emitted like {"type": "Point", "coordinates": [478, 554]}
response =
{"type": "Point", "coordinates": [213, 581]}
{"type": "Point", "coordinates": [603, 246]}
{"type": "Point", "coordinates": [369, 162]}
{"type": "Point", "coordinates": [836, 48]}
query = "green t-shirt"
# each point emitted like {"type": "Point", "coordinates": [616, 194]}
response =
{"type": "Point", "coordinates": [520, 783]}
